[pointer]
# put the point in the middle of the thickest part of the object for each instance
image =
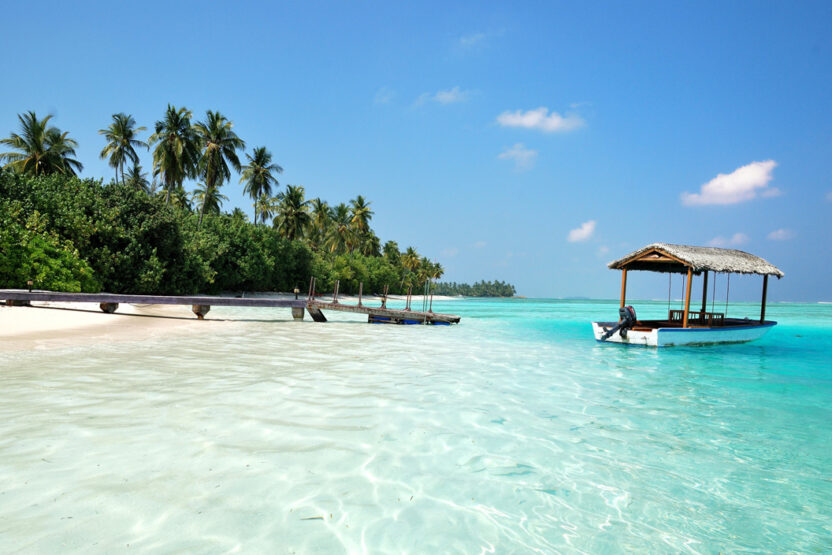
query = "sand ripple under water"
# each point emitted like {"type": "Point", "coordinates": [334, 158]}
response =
{"type": "Point", "coordinates": [513, 432]}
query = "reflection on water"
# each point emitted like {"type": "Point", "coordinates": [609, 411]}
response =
{"type": "Point", "coordinates": [512, 432]}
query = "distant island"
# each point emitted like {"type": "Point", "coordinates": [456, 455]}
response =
{"type": "Point", "coordinates": [137, 236]}
{"type": "Point", "coordinates": [479, 289]}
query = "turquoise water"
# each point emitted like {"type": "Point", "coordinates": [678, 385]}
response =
{"type": "Point", "coordinates": [514, 432]}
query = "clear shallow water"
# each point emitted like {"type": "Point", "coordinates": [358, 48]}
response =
{"type": "Point", "coordinates": [513, 432]}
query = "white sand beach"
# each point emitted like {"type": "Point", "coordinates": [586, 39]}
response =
{"type": "Point", "coordinates": [54, 324]}
{"type": "Point", "coordinates": [58, 324]}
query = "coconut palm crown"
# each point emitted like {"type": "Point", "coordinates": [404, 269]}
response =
{"type": "Point", "coordinates": [210, 199]}
{"type": "Point", "coordinates": [292, 212]}
{"type": "Point", "coordinates": [137, 179]}
{"type": "Point", "coordinates": [41, 149]}
{"type": "Point", "coordinates": [361, 213]}
{"type": "Point", "coordinates": [121, 142]}
{"type": "Point", "coordinates": [258, 176]}
{"type": "Point", "coordinates": [176, 153]}
{"type": "Point", "coordinates": [219, 149]}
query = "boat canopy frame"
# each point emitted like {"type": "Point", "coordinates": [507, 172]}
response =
{"type": "Point", "coordinates": [690, 260]}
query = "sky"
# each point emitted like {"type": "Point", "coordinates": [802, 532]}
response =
{"type": "Point", "coordinates": [527, 142]}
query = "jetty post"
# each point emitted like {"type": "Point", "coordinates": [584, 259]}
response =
{"type": "Point", "coordinates": [623, 287]}
{"type": "Point", "coordinates": [765, 291]}
{"type": "Point", "coordinates": [200, 310]}
{"type": "Point", "coordinates": [687, 298]}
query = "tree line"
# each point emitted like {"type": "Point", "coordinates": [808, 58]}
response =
{"type": "Point", "coordinates": [161, 239]}
{"type": "Point", "coordinates": [479, 289]}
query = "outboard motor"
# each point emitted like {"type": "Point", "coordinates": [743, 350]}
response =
{"type": "Point", "coordinates": [626, 320]}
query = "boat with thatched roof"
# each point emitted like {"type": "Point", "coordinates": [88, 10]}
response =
{"type": "Point", "coordinates": [686, 326]}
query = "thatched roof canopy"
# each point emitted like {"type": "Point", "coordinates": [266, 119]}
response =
{"type": "Point", "coordinates": [663, 257]}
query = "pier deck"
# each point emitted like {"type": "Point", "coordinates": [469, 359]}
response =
{"type": "Point", "coordinates": [200, 305]}
{"type": "Point", "coordinates": [381, 315]}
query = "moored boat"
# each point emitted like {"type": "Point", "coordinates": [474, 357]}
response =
{"type": "Point", "coordinates": [686, 326]}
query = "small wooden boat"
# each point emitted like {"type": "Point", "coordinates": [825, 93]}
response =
{"type": "Point", "coordinates": [686, 327]}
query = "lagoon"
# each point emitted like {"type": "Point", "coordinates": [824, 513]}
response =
{"type": "Point", "coordinates": [512, 432]}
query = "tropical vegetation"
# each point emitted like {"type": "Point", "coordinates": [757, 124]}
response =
{"type": "Point", "coordinates": [479, 289]}
{"type": "Point", "coordinates": [131, 235]}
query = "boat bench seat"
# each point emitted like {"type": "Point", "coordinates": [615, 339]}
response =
{"type": "Point", "coordinates": [701, 318]}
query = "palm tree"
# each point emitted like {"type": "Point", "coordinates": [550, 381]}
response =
{"type": "Point", "coordinates": [121, 142]}
{"type": "Point", "coordinates": [137, 179]}
{"type": "Point", "coordinates": [209, 198]}
{"type": "Point", "coordinates": [321, 219]}
{"type": "Point", "coordinates": [219, 148]}
{"type": "Point", "coordinates": [391, 253]}
{"type": "Point", "coordinates": [177, 149]}
{"type": "Point", "coordinates": [41, 149]}
{"type": "Point", "coordinates": [258, 176]}
{"type": "Point", "coordinates": [370, 244]}
{"type": "Point", "coordinates": [361, 214]}
{"type": "Point", "coordinates": [178, 197]}
{"type": "Point", "coordinates": [292, 212]}
{"type": "Point", "coordinates": [264, 206]}
{"type": "Point", "coordinates": [436, 270]}
{"type": "Point", "coordinates": [411, 259]}
{"type": "Point", "coordinates": [339, 238]}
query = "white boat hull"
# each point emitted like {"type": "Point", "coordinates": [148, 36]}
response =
{"type": "Point", "coordinates": [668, 337]}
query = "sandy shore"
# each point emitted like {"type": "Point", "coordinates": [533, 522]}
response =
{"type": "Point", "coordinates": [53, 324]}
{"type": "Point", "coordinates": [47, 325]}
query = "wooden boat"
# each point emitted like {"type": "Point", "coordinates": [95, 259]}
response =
{"type": "Point", "coordinates": [687, 327]}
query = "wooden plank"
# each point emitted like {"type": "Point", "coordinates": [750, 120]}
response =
{"type": "Point", "coordinates": [316, 314]}
{"type": "Point", "coordinates": [411, 315]}
{"type": "Point", "coordinates": [312, 306]}
{"type": "Point", "coordinates": [55, 296]}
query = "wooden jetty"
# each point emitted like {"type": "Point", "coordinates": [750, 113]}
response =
{"type": "Point", "coordinates": [200, 305]}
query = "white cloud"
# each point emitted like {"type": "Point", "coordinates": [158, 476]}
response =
{"type": "Point", "coordinates": [449, 96]}
{"type": "Point", "coordinates": [384, 95]}
{"type": "Point", "coordinates": [523, 157]}
{"type": "Point", "coordinates": [741, 185]}
{"type": "Point", "coordinates": [450, 252]}
{"type": "Point", "coordinates": [603, 249]}
{"type": "Point", "coordinates": [735, 240]}
{"type": "Point", "coordinates": [480, 244]}
{"type": "Point", "coordinates": [472, 40]}
{"type": "Point", "coordinates": [582, 233]}
{"type": "Point", "coordinates": [771, 192]}
{"type": "Point", "coordinates": [782, 234]}
{"type": "Point", "coordinates": [541, 120]}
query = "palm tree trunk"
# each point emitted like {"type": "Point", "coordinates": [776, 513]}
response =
{"type": "Point", "coordinates": [202, 208]}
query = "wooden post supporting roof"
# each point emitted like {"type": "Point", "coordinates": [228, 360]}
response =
{"type": "Point", "coordinates": [623, 286]}
{"type": "Point", "coordinates": [705, 291]}
{"type": "Point", "coordinates": [765, 291]}
{"type": "Point", "coordinates": [687, 299]}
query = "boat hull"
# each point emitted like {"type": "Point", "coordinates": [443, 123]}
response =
{"type": "Point", "coordinates": [669, 337]}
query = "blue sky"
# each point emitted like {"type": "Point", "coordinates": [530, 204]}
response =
{"type": "Point", "coordinates": [487, 135]}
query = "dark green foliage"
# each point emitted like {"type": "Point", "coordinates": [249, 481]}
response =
{"type": "Point", "coordinates": [72, 234]}
{"type": "Point", "coordinates": [29, 252]}
{"type": "Point", "coordinates": [479, 289]}
{"type": "Point", "coordinates": [245, 257]}
{"type": "Point", "coordinates": [354, 268]}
